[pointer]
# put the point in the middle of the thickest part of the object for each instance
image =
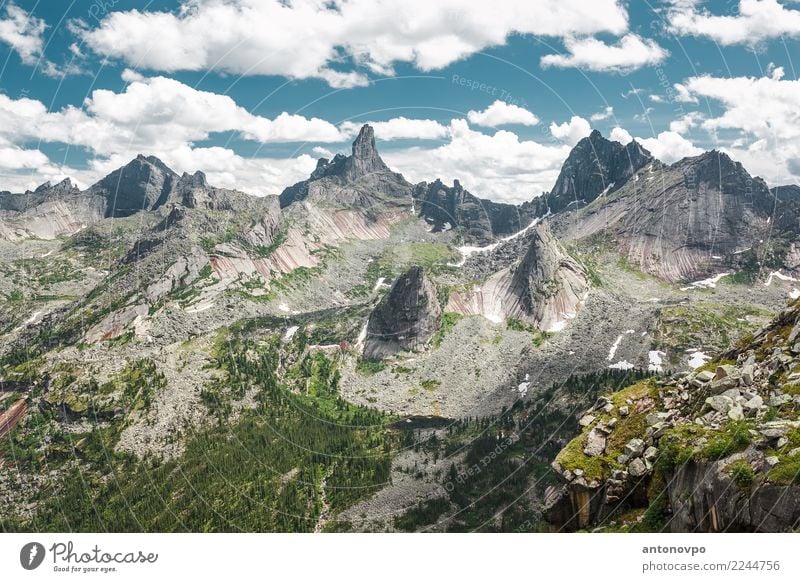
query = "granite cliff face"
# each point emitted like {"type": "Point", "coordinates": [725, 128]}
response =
{"type": "Point", "coordinates": [361, 179]}
{"type": "Point", "coordinates": [696, 218]}
{"type": "Point", "coordinates": [595, 167]}
{"type": "Point", "coordinates": [545, 288]}
{"type": "Point", "coordinates": [49, 211]}
{"type": "Point", "coordinates": [479, 221]}
{"type": "Point", "coordinates": [142, 184]}
{"type": "Point", "coordinates": [406, 318]}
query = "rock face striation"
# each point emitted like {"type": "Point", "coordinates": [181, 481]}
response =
{"type": "Point", "coordinates": [697, 218]}
{"type": "Point", "coordinates": [545, 287]}
{"type": "Point", "coordinates": [406, 318]}
{"type": "Point", "coordinates": [478, 221]}
{"type": "Point", "coordinates": [361, 178]}
{"type": "Point", "coordinates": [715, 450]}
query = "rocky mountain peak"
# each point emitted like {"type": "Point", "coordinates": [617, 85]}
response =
{"type": "Point", "coordinates": [353, 179]}
{"type": "Point", "coordinates": [144, 183]}
{"type": "Point", "coordinates": [406, 318]}
{"type": "Point", "coordinates": [595, 167]}
{"type": "Point", "coordinates": [479, 221]}
{"type": "Point", "coordinates": [365, 159]}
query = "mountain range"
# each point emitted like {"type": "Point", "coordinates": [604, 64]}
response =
{"type": "Point", "coordinates": [401, 333]}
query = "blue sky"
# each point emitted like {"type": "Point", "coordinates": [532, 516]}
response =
{"type": "Point", "coordinates": [493, 94]}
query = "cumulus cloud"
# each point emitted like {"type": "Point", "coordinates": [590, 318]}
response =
{"type": "Point", "coordinates": [24, 33]}
{"type": "Point", "coordinates": [572, 131]}
{"type": "Point", "coordinates": [606, 113]}
{"type": "Point", "coordinates": [764, 110]}
{"type": "Point", "coordinates": [310, 38]}
{"type": "Point", "coordinates": [163, 117]}
{"type": "Point", "coordinates": [630, 53]}
{"type": "Point", "coordinates": [756, 21]}
{"type": "Point", "coordinates": [667, 146]}
{"type": "Point", "coordinates": [686, 122]}
{"type": "Point", "coordinates": [620, 135]}
{"type": "Point", "coordinates": [153, 115]}
{"type": "Point", "coordinates": [500, 166]}
{"type": "Point", "coordinates": [502, 113]}
{"type": "Point", "coordinates": [399, 128]}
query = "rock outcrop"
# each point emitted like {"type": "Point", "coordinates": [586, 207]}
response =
{"type": "Point", "coordinates": [715, 450]}
{"type": "Point", "coordinates": [406, 318]}
{"type": "Point", "coordinates": [545, 288]}
{"type": "Point", "coordinates": [479, 221]}
{"type": "Point", "coordinates": [361, 179]}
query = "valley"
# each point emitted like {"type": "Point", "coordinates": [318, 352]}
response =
{"type": "Point", "coordinates": [365, 354]}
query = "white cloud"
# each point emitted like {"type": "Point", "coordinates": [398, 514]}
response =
{"type": "Point", "coordinates": [398, 128]}
{"type": "Point", "coordinates": [572, 131]}
{"type": "Point", "coordinates": [656, 98]}
{"type": "Point", "coordinates": [757, 21]}
{"type": "Point", "coordinates": [620, 135]}
{"type": "Point", "coordinates": [682, 94]}
{"type": "Point", "coordinates": [668, 146]}
{"type": "Point", "coordinates": [322, 152]}
{"type": "Point", "coordinates": [304, 38]}
{"type": "Point", "coordinates": [498, 167]}
{"type": "Point", "coordinates": [501, 113]}
{"type": "Point", "coordinates": [606, 113]}
{"type": "Point", "coordinates": [24, 33]}
{"type": "Point", "coordinates": [766, 112]}
{"type": "Point", "coordinates": [152, 115]}
{"type": "Point", "coordinates": [162, 117]}
{"type": "Point", "coordinates": [630, 53]}
{"type": "Point", "coordinates": [686, 122]}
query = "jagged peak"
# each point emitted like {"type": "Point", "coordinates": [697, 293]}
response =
{"type": "Point", "coordinates": [596, 135]}
{"type": "Point", "coordinates": [152, 161]}
{"type": "Point", "coordinates": [196, 180]}
{"type": "Point", "coordinates": [364, 145]}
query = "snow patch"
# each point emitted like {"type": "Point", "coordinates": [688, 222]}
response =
{"type": "Point", "coordinates": [709, 283]}
{"type": "Point", "coordinates": [29, 321]}
{"type": "Point", "coordinates": [523, 388]}
{"type": "Point", "coordinates": [656, 361]}
{"type": "Point", "coordinates": [607, 188]}
{"type": "Point", "coordinates": [779, 275]}
{"type": "Point", "coordinates": [613, 351]}
{"type": "Point", "coordinates": [697, 358]}
{"type": "Point", "coordinates": [621, 365]}
{"type": "Point", "coordinates": [468, 251]}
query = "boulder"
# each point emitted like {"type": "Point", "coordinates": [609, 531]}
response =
{"type": "Point", "coordinates": [637, 468]}
{"type": "Point", "coordinates": [634, 448]}
{"type": "Point", "coordinates": [596, 444]}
